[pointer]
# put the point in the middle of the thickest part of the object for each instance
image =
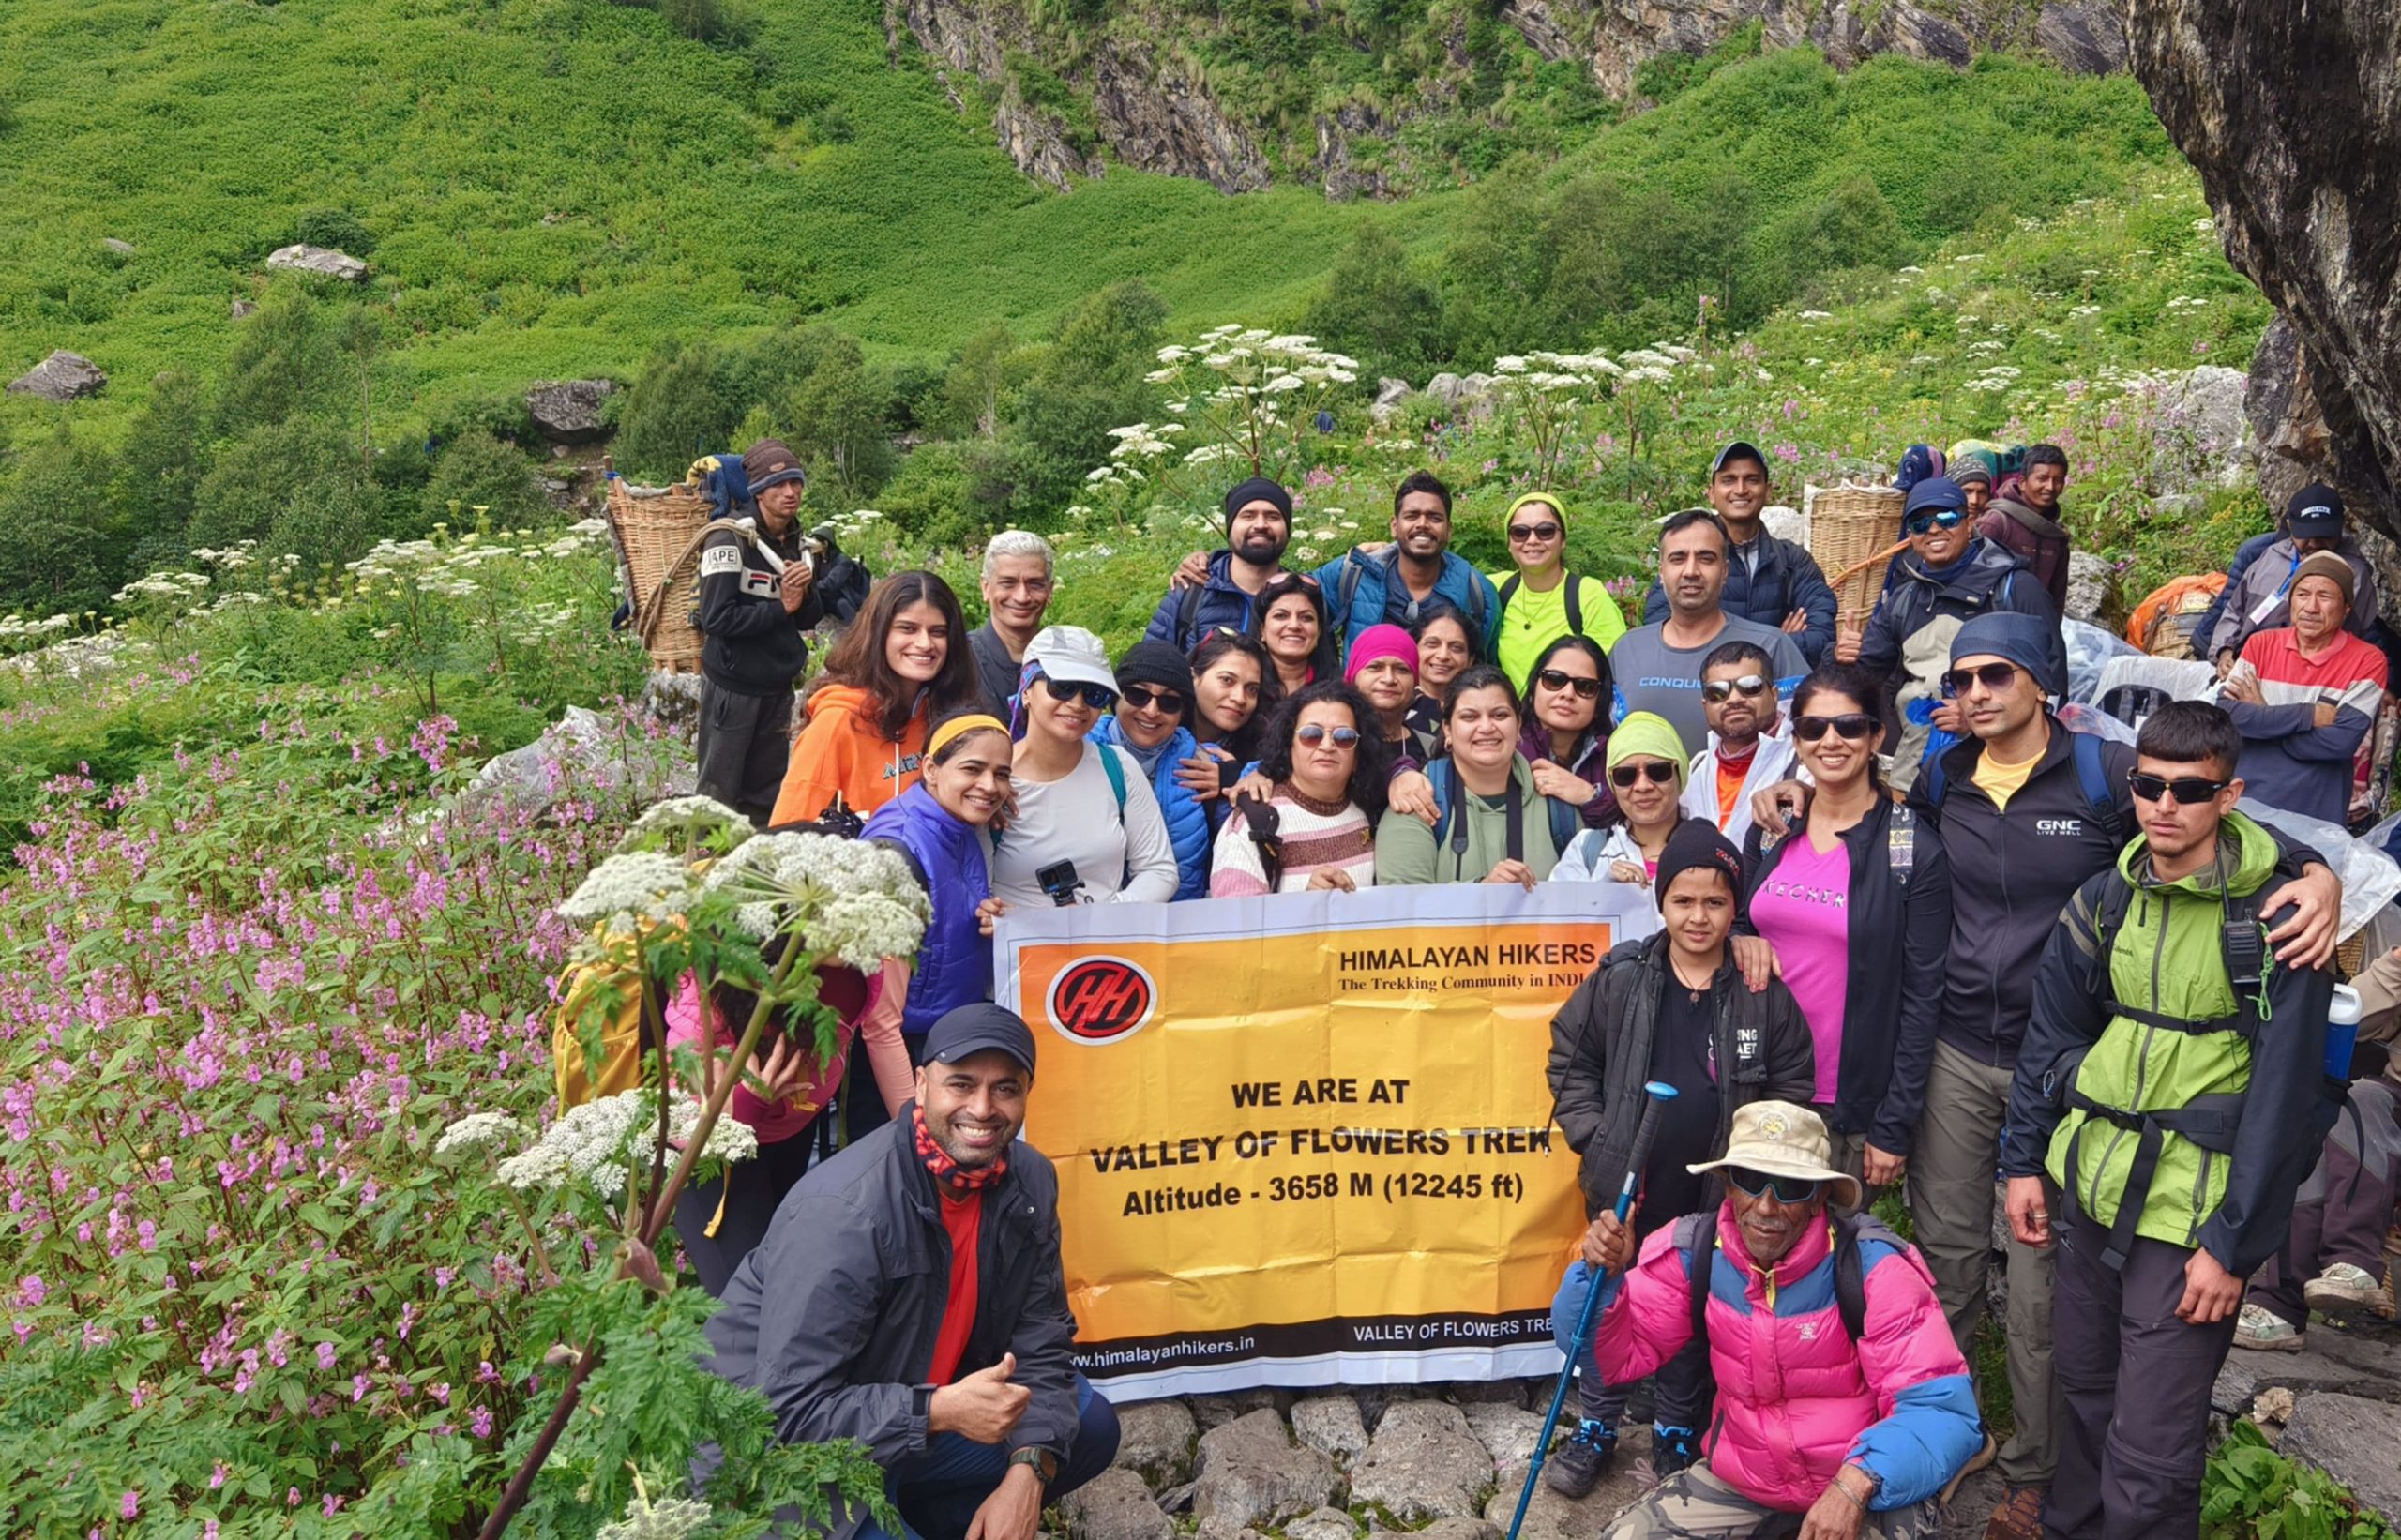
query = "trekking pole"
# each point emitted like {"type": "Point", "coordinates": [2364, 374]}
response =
{"type": "Point", "coordinates": [1660, 1094]}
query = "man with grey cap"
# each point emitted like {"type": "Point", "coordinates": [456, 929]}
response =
{"type": "Point", "coordinates": [1773, 583]}
{"type": "Point", "coordinates": [909, 1295]}
{"type": "Point", "coordinates": [2260, 598]}
{"type": "Point", "coordinates": [756, 606]}
{"type": "Point", "coordinates": [1841, 1397]}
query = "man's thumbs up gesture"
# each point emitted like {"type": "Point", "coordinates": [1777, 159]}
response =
{"type": "Point", "coordinates": [982, 1407]}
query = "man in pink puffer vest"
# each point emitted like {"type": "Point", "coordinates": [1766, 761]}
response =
{"type": "Point", "coordinates": [1851, 1435]}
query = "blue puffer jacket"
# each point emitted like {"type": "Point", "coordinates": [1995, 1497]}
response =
{"type": "Point", "coordinates": [1187, 820]}
{"type": "Point", "coordinates": [954, 965]}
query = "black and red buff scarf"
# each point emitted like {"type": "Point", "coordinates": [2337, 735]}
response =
{"type": "Point", "coordinates": [949, 1172]}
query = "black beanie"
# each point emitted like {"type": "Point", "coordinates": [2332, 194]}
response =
{"type": "Point", "coordinates": [1254, 490]}
{"type": "Point", "coordinates": [1156, 663]}
{"type": "Point", "coordinates": [1696, 842]}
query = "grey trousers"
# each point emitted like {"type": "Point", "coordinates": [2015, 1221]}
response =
{"type": "Point", "coordinates": [744, 741]}
{"type": "Point", "coordinates": [1950, 1178]}
{"type": "Point", "coordinates": [1694, 1505]}
{"type": "Point", "coordinates": [2129, 1467]}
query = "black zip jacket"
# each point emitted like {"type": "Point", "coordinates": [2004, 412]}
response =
{"type": "Point", "coordinates": [750, 645]}
{"type": "Point", "coordinates": [1600, 1055]}
{"type": "Point", "coordinates": [1990, 579]}
{"type": "Point", "coordinates": [2011, 873]}
{"type": "Point", "coordinates": [1892, 992]}
{"type": "Point", "coordinates": [834, 1316]}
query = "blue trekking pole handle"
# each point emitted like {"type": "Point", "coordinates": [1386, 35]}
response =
{"type": "Point", "coordinates": [1658, 1094]}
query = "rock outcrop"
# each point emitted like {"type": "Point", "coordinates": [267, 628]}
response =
{"type": "Point", "coordinates": [318, 261]}
{"type": "Point", "coordinates": [569, 410]}
{"type": "Point", "coordinates": [2292, 116]}
{"type": "Point", "coordinates": [61, 377]}
{"type": "Point", "coordinates": [2083, 37]}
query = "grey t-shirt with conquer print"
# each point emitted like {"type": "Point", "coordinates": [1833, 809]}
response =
{"type": "Point", "coordinates": [1653, 676]}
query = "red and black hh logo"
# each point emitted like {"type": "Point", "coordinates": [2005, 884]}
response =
{"type": "Point", "coordinates": [1100, 1000]}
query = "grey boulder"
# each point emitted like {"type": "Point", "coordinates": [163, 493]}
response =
{"type": "Point", "coordinates": [1425, 1462]}
{"type": "Point", "coordinates": [61, 377]}
{"type": "Point", "coordinates": [1251, 1472]}
{"type": "Point", "coordinates": [317, 261]}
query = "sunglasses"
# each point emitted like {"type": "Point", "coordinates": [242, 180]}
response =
{"type": "Point", "coordinates": [1918, 523]}
{"type": "Point", "coordinates": [1533, 531]}
{"type": "Point", "coordinates": [1098, 697]}
{"type": "Point", "coordinates": [2187, 790]}
{"type": "Point", "coordinates": [1995, 677]}
{"type": "Point", "coordinates": [1718, 691]}
{"type": "Point", "coordinates": [1588, 689]}
{"type": "Point", "coordinates": [1788, 1189]}
{"type": "Point", "coordinates": [1657, 772]}
{"type": "Point", "coordinates": [1144, 698]}
{"type": "Point", "coordinates": [1314, 734]}
{"type": "Point", "coordinates": [1850, 725]}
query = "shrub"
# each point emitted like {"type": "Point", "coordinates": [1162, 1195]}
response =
{"type": "Point", "coordinates": [682, 406]}
{"type": "Point", "coordinates": [336, 228]}
{"type": "Point", "coordinates": [476, 469]}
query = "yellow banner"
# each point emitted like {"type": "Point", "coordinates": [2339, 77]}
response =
{"type": "Point", "coordinates": [1306, 1139]}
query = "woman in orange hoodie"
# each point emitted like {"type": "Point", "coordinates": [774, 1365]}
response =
{"type": "Point", "coordinates": [903, 664]}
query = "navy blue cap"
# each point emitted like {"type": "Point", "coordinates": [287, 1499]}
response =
{"type": "Point", "coordinates": [2031, 642]}
{"type": "Point", "coordinates": [1935, 491]}
{"type": "Point", "coordinates": [965, 1031]}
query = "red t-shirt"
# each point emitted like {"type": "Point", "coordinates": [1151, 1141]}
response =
{"type": "Point", "coordinates": [964, 1219]}
{"type": "Point", "coordinates": [2276, 656]}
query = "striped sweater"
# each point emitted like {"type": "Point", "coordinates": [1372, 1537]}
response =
{"type": "Point", "coordinates": [1316, 837]}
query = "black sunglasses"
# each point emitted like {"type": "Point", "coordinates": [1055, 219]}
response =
{"type": "Point", "coordinates": [2188, 789]}
{"type": "Point", "coordinates": [1561, 679]}
{"type": "Point", "coordinates": [1657, 772]}
{"type": "Point", "coordinates": [1313, 734]}
{"type": "Point", "coordinates": [1718, 691]}
{"type": "Point", "coordinates": [1098, 697]}
{"type": "Point", "coordinates": [1145, 697]}
{"type": "Point", "coordinates": [1995, 677]}
{"type": "Point", "coordinates": [1788, 1189]}
{"type": "Point", "coordinates": [1533, 531]}
{"type": "Point", "coordinates": [1918, 523]}
{"type": "Point", "coordinates": [1852, 725]}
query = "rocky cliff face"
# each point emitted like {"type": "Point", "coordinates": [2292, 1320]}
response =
{"type": "Point", "coordinates": [2292, 115]}
{"type": "Point", "coordinates": [2084, 36]}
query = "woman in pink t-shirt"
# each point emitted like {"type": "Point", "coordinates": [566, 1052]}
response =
{"type": "Point", "coordinates": [1833, 899]}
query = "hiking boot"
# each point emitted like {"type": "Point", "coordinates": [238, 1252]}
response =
{"type": "Point", "coordinates": [2343, 1289]}
{"type": "Point", "coordinates": [1672, 1449]}
{"type": "Point", "coordinates": [2019, 1516]}
{"type": "Point", "coordinates": [2262, 1330]}
{"type": "Point", "coordinates": [1579, 1464]}
{"type": "Point", "coordinates": [1976, 1462]}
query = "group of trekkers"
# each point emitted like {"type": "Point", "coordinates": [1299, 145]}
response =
{"type": "Point", "coordinates": [1918, 937]}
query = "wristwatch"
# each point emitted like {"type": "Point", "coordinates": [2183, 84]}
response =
{"type": "Point", "coordinates": [1045, 1464]}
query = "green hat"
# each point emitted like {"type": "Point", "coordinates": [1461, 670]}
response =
{"type": "Point", "coordinates": [1548, 500]}
{"type": "Point", "coordinates": [1648, 734]}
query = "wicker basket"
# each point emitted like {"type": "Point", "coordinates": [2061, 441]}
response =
{"type": "Point", "coordinates": [1853, 531]}
{"type": "Point", "coordinates": [658, 533]}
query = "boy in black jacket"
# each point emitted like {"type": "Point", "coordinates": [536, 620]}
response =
{"type": "Point", "coordinates": [1670, 1008]}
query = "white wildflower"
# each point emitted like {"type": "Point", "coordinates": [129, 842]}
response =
{"type": "Point", "coordinates": [539, 1168]}
{"type": "Point", "coordinates": [690, 818]}
{"type": "Point", "coordinates": [625, 890]}
{"type": "Point", "coordinates": [673, 1518]}
{"type": "Point", "coordinates": [479, 1131]}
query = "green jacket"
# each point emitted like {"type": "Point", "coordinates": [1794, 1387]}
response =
{"type": "Point", "coordinates": [2167, 958]}
{"type": "Point", "coordinates": [1406, 852]}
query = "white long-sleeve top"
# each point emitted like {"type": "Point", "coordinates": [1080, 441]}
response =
{"type": "Point", "coordinates": [1121, 855]}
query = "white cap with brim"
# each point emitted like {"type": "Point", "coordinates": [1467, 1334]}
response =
{"type": "Point", "coordinates": [1782, 1139]}
{"type": "Point", "coordinates": [1071, 654]}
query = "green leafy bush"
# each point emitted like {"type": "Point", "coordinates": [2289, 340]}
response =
{"type": "Point", "coordinates": [2250, 1491]}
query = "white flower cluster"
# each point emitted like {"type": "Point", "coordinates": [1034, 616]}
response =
{"type": "Point", "coordinates": [595, 1142]}
{"type": "Point", "coordinates": [1999, 377]}
{"type": "Point", "coordinates": [671, 1519]}
{"type": "Point", "coordinates": [682, 818]}
{"type": "Point", "coordinates": [479, 1131]}
{"type": "Point", "coordinates": [172, 587]}
{"type": "Point", "coordinates": [852, 899]}
{"type": "Point", "coordinates": [625, 891]}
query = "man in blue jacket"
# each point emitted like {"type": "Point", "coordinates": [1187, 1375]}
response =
{"type": "Point", "coordinates": [1366, 588]}
{"type": "Point", "coordinates": [1773, 582]}
{"type": "Point", "coordinates": [1213, 592]}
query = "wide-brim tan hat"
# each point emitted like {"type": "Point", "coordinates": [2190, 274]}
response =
{"type": "Point", "coordinates": [1782, 1139]}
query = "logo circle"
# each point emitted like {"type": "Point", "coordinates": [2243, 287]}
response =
{"type": "Point", "coordinates": [1100, 1000]}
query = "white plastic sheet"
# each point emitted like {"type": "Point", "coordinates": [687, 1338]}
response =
{"type": "Point", "coordinates": [2090, 648]}
{"type": "Point", "coordinates": [2371, 880]}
